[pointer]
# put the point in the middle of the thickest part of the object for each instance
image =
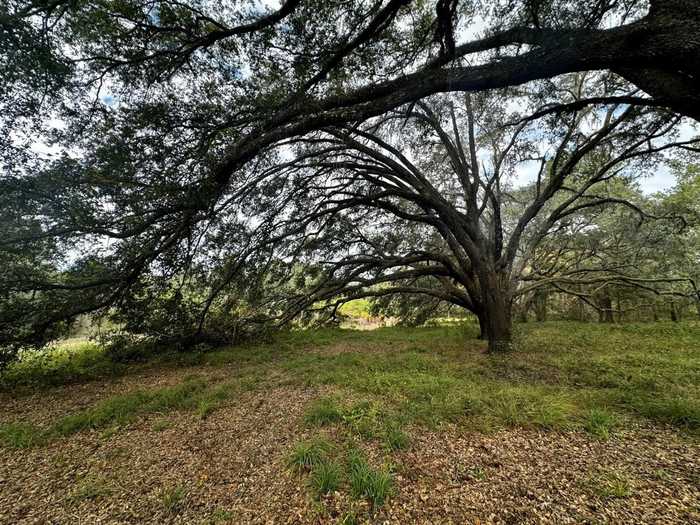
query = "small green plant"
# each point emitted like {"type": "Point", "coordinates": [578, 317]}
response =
{"type": "Point", "coordinates": [161, 424]}
{"type": "Point", "coordinates": [20, 435]}
{"type": "Point", "coordinates": [661, 474]}
{"type": "Point", "coordinates": [613, 485]}
{"type": "Point", "coordinates": [324, 411]}
{"type": "Point", "coordinates": [109, 432]}
{"type": "Point", "coordinates": [172, 498]}
{"type": "Point", "coordinates": [395, 438]}
{"type": "Point", "coordinates": [220, 516]}
{"type": "Point", "coordinates": [308, 454]}
{"type": "Point", "coordinates": [349, 518]}
{"type": "Point", "coordinates": [366, 482]}
{"type": "Point", "coordinates": [326, 477]}
{"type": "Point", "coordinates": [206, 407]}
{"type": "Point", "coordinates": [478, 473]}
{"type": "Point", "coordinates": [90, 488]}
{"type": "Point", "coordinates": [599, 423]}
{"type": "Point", "coordinates": [363, 419]}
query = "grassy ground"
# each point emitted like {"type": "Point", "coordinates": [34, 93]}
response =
{"type": "Point", "coordinates": [359, 421]}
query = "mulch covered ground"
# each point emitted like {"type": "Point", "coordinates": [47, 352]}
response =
{"type": "Point", "coordinates": [231, 468]}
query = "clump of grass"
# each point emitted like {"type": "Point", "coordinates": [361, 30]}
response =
{"type": "Point", "coordinates": [662, 474]}
{"type": "Point", "coordinates": [220, 516]}
{"type": "Point", "coordinates": [326, 476]}
{"type": "Point", "coordinates": [206, 407]}
{"type": "Point", "coordinates": [613, 484]}
{"type": "Point", "coordinates": [395, 438]}
{"type": "Point", "coordinates": [324, 411]}
{"type": "Point", "coordinates": [478, 473]}
{"type": "Point", "coordinates": [307, 454]}
{"type": "Point", "coordinates": [21, 435]}
{"type": "Point", "coordinates": [676, 411]}
{"type": "Point", "coordinates": [172, 498]}
{"type": "Point", "coordinates": [375, 485]}
{"type": "Point", "coordinates": [363, 419]}
{"type": "Point", "coordinates": [516, 404]}
{"type": "Point", "coordinates": [349, 518]}
{"type": "Point", "coordinates": [90, 488]}
{"type": "Point", "coordinates": [599, 422]}
{"type": "Point", "coordinates": [161, 424]}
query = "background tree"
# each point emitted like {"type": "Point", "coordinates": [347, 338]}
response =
{"type": "Point", "coordinates": [432, 220]}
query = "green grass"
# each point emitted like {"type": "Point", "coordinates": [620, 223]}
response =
{"type": "Point", "coordinates": [220, 516]}
{"type": "Point", "coordinates": [172, 498]}
{"type": "Point", "coordinates": [160, 425]}
{"type": "Point", "coordinates": [20, 435]}
{"type": "Point", "coordinates": [326, 476]}
{"type": "Point", "coordinates": [308, 454]}
{"type": "Point", "coordinates": [477, 473]}
{"type": "Point", "coordinates": [324, 411]}
{"type": "Point", "coordinates": [90, 488]}
{"type": "Point", "coordinates": [612, 484]}
{"type": "Point", "coordinates": [600, 423]}
{"type": "Point", "coordinates": [194, 393]}
{"type": "Point", "coordinates": [121, 410]}
{"type": "Point", "coordinates": [366, 482]}
{"type": "Point", "coordinates": [70, 361]}
{"type": "Point", "coordinates": [395, 438]}
{"type": "Point", "coordinates": [565, 376]}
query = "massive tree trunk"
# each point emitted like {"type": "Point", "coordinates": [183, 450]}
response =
{"type": "Point", "coordinates": [498, 312]}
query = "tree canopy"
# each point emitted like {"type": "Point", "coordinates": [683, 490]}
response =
{"type": "Point", "coordinates": [222, 160]}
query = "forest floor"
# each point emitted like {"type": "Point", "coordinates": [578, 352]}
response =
{"type": "Point", "coordinates": [583, 424]}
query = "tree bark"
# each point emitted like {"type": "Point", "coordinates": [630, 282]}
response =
{"type": "Point", "coordinates": [606, 310]}
{"type": "Point", "coordinates": [620, 314]}
{"type": "Point", "coordinates": [541, 306]}
{"type": "Point", "coordinates": [674, 312]}
{"type": "Point", "coordinates": [498, 313]}
{"type": "Point", "coordinates": [482, 326]}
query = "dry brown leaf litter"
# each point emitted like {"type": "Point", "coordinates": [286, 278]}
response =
{"type": "Point", "coordinates": [234, 461]}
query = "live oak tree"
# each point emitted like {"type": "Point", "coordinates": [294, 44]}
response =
{"type": "Point", "coordinates": [426, 199]}
{"type": "Point", "coordinates": [159, 112]}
